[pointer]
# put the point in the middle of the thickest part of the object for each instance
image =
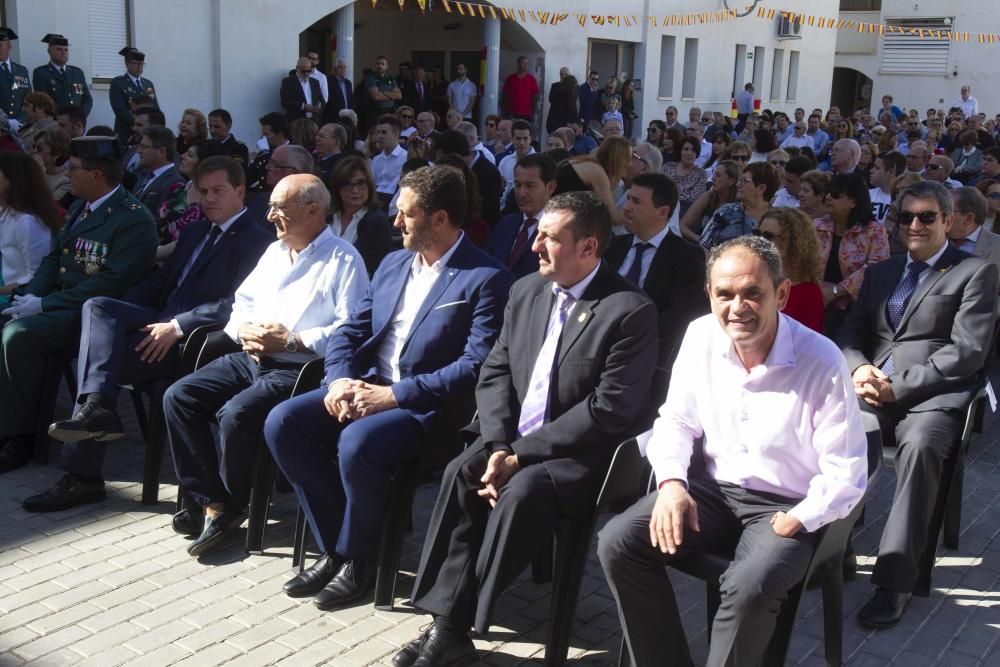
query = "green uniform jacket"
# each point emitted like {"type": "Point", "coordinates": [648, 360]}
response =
{"type": "Point", "coordinates": [103, 255]}
{"type": "Point", "coordinates": [122, 91]}
{"type": "Point", "coordinates": [13, 89]}
{"type": "Point", "coordinates": [69, 89]}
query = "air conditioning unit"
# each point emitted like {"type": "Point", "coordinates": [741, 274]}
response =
{"type": "Point", "coordinates": [789, 29]}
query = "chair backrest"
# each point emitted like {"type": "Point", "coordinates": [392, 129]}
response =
{"type": "Point", "coordinates": [310, 377]}
{"type": "Point", "coordinates": [970, 414]}
{"type": "Point", "coordinates": [626, 480]}
{"type": "Point", "coordinates": [195, 341]}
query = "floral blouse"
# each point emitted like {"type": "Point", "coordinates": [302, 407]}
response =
{"type": "Point", "coordinates": [860, 247]}
{"type": "Point", "coordinates": [689, 187]}
{"type": "Point", "coordinates": [175, 214]}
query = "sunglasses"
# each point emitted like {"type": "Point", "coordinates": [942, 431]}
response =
{"type": "Point", "coordinates": [764, 234]}
{"type": "Point", "coordinates": [933, 167]}
{"type": "Point", "coordinates": [836, 195]}
{"type": "Point", "coordinates": [778, 163]}
{"type": "Point", "coordinates": [653, 130]}
{"type": "Point", "coordinates": [406, 115]}
{"type": "Point", "coordinates": [740, 158]}
{"type": "Point", "coordinates": [491, 124]}
{"type": "Point", "coordinates": [925, 217]}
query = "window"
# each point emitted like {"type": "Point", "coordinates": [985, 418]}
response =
{"type": "Point", "coordinates": [793, 76]}
{"type": "Point", "coordinates": [860, 5]}
{"type": "Point", "coordinates": [739, 69]}
{"type": "Point", "coordinates": [109, 32]}
{"type": "Point", "coordinates": [910, 53]}
{"type": "Point", "coordinates": [690, 68]}
{"type": "Point", "coordinates": [668, 45]}
{"type": "Point", "coordinates": [776, 68]}
{"type": "Point", "coordinates": [759, 53]}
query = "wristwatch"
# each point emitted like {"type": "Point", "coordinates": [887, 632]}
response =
{"type": "Point", "coordinates": [836, 290]}
{"type": "Point", "coordinates": [291, 345]}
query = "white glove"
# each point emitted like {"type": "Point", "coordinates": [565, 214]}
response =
{"type": "Point", "coordinates": [262, 144]}
{"type": "Point", "coordinates": [15, 125]}
{"type": "Point", "coordinates": [26, 305]}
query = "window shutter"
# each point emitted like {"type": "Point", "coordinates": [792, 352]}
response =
{"type": "Point", "coordinates": [108, 34]}
{"type": "Point", "coordinates": [916, 46]}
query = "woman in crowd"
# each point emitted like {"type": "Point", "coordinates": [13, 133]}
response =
{"type": "Point", "coordinates": [599, 173]}
{"type": "Point", "coordinates": [356, 216]}
{"type": "Point", "coordinates": [754, 190]}
{"type": "Point", "coordinates": [812, 193]}
{"type": "Point", "coordinates": [887, 142]}
{"type": "Point", "coordinates": [52, 153]}
{"type": "Point", "coordinates": [628, 106]}
{"type": "Point", "coordinates": [869, 152]}
{"type": "Point", "coordinates": [182, 204]}
{"type": "Point", "coordinates": [778, 159]}
{"type": "Point", "coordinates": [792, 232]}
{"type": "Point", "coordinates": [933, 141]}
{"type": "Point", "coordinates": [490, 137]}
{"type": "Point", "coordinates": [609, 91]}
{"type": "Point", "coordinates": [967, 157]}
{"type": "Point", "coordinates": [302, 132]}
{"type": "Point", "coordinates": [474, 226]}
{"type": "Point", "coordinates": [561, 138]}
{"type": "Point", "coordinates": [850, 241]}
{"type": "Point", "coordinates": [192, 129]}
{"type": "Point", "coordinates": [29, 219]}
{"type": "Point", "coordinates": [452, 118]}
{"type": "Point", "coordinates": [689, 177]}
{"type": "Point", "coordinates": [720, 143]}
{"type": "Point", "coordinates": [39, 112]}
{"type": "Point", "coordinates": [950, 141]}
{"type": "Point", "coordinates": [563, 104]}
{"type": "Point", "coordinates": [671, 147]}
{"type": "Point", "coordinates": [349, 119]}
{"type": "Point", "coordinates": [761, 143]}
{"type": "Point", "coordinates": [725, 178]}
{"type": "Point", "coordinates": [991, 190]}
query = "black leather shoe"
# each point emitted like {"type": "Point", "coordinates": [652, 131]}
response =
{"type": "Point", "coordinates": [215, 531]}
{"type": "Point", "coordinates": [67, 492]}
{"type": "Point", "coordinates": [885, 609]}
{"type": "Point", "coordinates": [91, 421]}
{"type": "Point", "coordinates": [189, 521]}
{"type": "Point", "coordinates": [440, 648]}
{"type": "Point", "coordinates": [354, 581]}
{"type": "Point", "coordinates": [313, 579]}
{"type": "Point", "coordinates": [409, 653]}
{"type": "Point", "coordinates": [15, 452]}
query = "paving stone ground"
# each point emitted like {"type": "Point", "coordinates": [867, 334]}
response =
{"type": "Point", "coordinates": [111, 584]}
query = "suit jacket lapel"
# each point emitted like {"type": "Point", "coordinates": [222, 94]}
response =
{"type": "Point", "coordinates": [97, 216]}
{"type": "Point", "coordinates": [950, 257]}
{"type": "Point", "coordinates": [661, 259]}
{"type": "Point", "coordinates": [227, 238]}
{"type": "Point", "coordinates": [382, 310]}
{"type": "Point", "coordinates": [582, 314]}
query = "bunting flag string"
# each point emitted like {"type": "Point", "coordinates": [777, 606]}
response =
{"type": "Point", "coordinates": [551, 18]}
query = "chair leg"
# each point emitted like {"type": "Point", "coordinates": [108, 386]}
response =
{"type": "Point", "coordinates": [260, 500]}
{"type": "Point", "coordinates": [398, 512]}
{"type": "Point", "coordinates": [541, 566]}
{"type": "Point", "coordinates": [139, 406]}
{"type": "Point", "coordinates": [155, 441]}
{"type": "Point", "coordinates": [299, 541]}
{"type": "Point", "coordinates": [571, 553]}
{"type": "Point", "coordinates": [624, 659]}
{"type": "Point", "coordinates": [833, 616]}
{"type": "Point", "coordinates": [777, 648]}
{"type": "Point", "coordinates": [713, 600]}
{"type": "Point", "coordinates": [953, 508]}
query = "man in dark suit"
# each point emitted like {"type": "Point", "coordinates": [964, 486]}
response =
{"type": "Point", "coordinates": [514, 235]}
{"type": "Point", "coordinates": [331, 141]}
{"type": "Point", "coordinates": [274, 129]}
{"type": "Point", "coordinates": [456, 142]}
{"type": "Point", "coordinates": [220, 125]}
{"type": "Point", "coordinates": [668, 268]}
{"type": "Point", "coordinates": [419, 336]}
{"type": "Point", "coordinates": [135, 339]}
{"type": "Point", "coordinates": [157, 155]}
{"type": "Point", "coordinates": [418, 93]}
{"type": "Point", "coordinates": [301, 94]}
{"type": "Point", "coordinates": [341, 92]}
{"type": "Point", "coordinates": [967, 232]}
{"type": "Point", "coordinates": [543, 450]}
{"type": "Point", "coordinates": [916, 340]}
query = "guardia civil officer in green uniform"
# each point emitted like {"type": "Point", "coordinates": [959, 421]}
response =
{"type": "Point", "coordinates": [127, 87]}
{"type": "Point", "coordinates": [14, 82]}
{"type": "Point", "coordinates": [65, 84]}
{"type": "Point", "coordinates": [106, 246]}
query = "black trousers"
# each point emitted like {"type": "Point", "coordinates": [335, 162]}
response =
{"type": "Point", "coordinates": [238, 393]}
{"type": "Point", "coordinates": [472, 552]}
{"type": "Point", "coordinates": [924, 443]}
{"type": "Point", "coordinates": [765, 567]}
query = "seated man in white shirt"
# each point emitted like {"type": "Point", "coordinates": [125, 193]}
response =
{"type": "Point", "coordinates": [785, 454]}
{"type": "Point", "coordinates": [387, 165]}
{"type": "Point", "coordinates": [300, 292]}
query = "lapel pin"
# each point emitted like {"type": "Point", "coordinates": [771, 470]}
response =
{"type": "Point", "coordinates": [583, 316]}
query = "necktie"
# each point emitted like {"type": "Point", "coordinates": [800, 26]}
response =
{"type": "Point", "coordinates": [536, 400]}
{"type": "Point", "coordinates": [635, 270]}
{"type": "Point", "coordinates": [203, 254]}
{"type": "Point", "coordinates": [83, 215]}
{"type": "Point", "coordinates": [897, 303]}
{"type": "Point", "coordinates": [420, 92]}
{"type": "Point", "coordinates": [6, 68]}
{"type": "Point", "coordinates": [520, 243]}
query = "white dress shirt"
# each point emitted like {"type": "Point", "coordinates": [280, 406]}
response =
{"type": "Point", "coordinates": [647, 257]}
{"type": "Point", "coordinates": [462, 95]}
{"type": "Point", "coordinates": [386, 170]}
{"type": "Point", "coordinates": [323, 85]}
{"type": "Point", "coordinates": [969, 107]}
{"type": "Point", "coordinates": [790, 426]}
{"type": "Point", "coordinates": [784, 198]}
{"type": "Point", "coordinates": [507, 165]}
{"type": "Point", "coordinates": [805, 141]}
{"type": "Point", "coordinates": [484, 152]}
{"type": "Point", "coordinates": [704, 154]}
{"type": "Point", "coordinates": [307, 92]}
{"type": "Point", "coordinates": [351, 233]}
{"type": "Point", "coordinates": [24, 241]}
{"type": "Point", "coordinates": [418, 286]}
{"type": "Point", "coordinates": [311, 295]}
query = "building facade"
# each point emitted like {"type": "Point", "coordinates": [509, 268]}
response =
{"type": "Point", "coordinates": [233, 53]}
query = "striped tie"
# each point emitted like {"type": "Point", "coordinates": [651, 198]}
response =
{"type": "Point", "coordinates": [535, 407]}
{"type": "Point", "coordinates": [897, 303]}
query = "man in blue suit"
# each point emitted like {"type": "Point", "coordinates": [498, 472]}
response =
{"type": "Point", "coordinates": [514, 234]}
{"type": "Point", "coordinates": [341, 92]}
{"type": "Point", "coordinates": [135, 339]}
{"type": "Point", "coordinates": [419, 336]}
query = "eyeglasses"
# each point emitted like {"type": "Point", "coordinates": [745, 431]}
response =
{"type": "Point", "coordinates": [360, 184]}
{"type": "Point", "coordinates": [925, 217]}
{"type": "Point", "coordinates": [282, 209]}
{"type": "Point", "coordinates": [933, 167]}
{"type": "Point", "coordinates": [406, 115]}
{"type": "Point", "coordinates": [278, 165]}
{"type": "Point", "coordinates": [778, 163]}
{"type": "Point", "coordinates": [653, 130]}
{"type": "Point", "coordinates": [740, 158]}
{"type": "Point", "coordinates": [764, 234]}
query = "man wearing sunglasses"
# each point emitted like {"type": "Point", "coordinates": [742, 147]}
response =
{"type": "Point", "coordinates": [916, 341]}
{"type": "Point", "coordinates": [939, 170]}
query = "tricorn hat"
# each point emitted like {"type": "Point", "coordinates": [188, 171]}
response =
{"type": "Point", "coordinates": [55, 40]}
{"type": "Point", "coordinates": [96, 148]}
{"type": "Point", "coordinates": [7, 33]}
{"type": "Point", "coordinates": [133, 54]}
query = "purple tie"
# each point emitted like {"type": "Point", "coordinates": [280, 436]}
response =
{"type": "Point", "coordinates": [535, 407]}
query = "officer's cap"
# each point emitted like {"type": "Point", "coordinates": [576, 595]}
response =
{"type": "Point", "coordinates": [96, 148]}
{"type": "Point", "coordinates": [7, 33]}
{"type": "Point", "coordinates": [133, 54]}
{"type": "Point", "coordinates": [55, 40]}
